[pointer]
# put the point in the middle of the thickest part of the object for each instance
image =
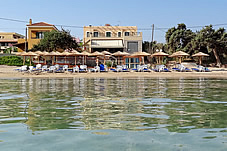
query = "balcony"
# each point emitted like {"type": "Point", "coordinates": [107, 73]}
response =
{"type": "Point", "coordinates": [114, 35]}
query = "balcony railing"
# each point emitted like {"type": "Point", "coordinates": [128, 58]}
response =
{"type": "Point", "coordinates": [115, 35]}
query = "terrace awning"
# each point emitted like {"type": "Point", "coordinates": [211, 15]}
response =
{"type": "Point", "coordinates": [107, 44]}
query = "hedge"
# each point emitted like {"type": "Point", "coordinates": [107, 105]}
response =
{"type": "Point", "coordinates": [13, 61]}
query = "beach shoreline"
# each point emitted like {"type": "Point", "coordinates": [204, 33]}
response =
{"type": "Point", "coordinates": [8, 72]}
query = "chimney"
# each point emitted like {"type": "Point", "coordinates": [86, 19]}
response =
{"type": "Point", "coordinates": [30, 21]}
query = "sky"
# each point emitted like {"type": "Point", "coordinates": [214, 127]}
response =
{"type": "Point", "coordinates": [163, 14]}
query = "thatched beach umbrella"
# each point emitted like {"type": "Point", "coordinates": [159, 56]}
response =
{"type": "Point", "coordinates": [200, 55]}
{"type": "Point", "coordinates": [97, 54]}
{"type": "Point", "coordinates": [65, 54]}
{"type": "Point", "coordinates": [39, 53]}
{"type": "Point", "coordinates": [159, 55]}
{"type": "Point", "coordinates": [20, 54]}
{"type": "Point", "coordinates": [106, 53]}
{"type": "Point", "coordinates": [141, 54]}
{"type": "Point", "coordinates": [50, 54]}
{"type": "Point", "coordinates": [45, 53]}
{"type": "Point", "coordinates": [84, 54]}
{"type": "Point", "coordinates": [75, 53]}
{"type": "Point", "coordinates": [179, 54]}
{"type": "Point", "coordinates": [120, 54]}
{"type": "Point", "coordinates": [29, 54]}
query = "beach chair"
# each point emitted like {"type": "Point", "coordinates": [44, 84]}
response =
{"type": "Point", "coordinates": [113, 70]}
{"type": "Point", "coordinates": [145, 68]}
{"type": "Point", "coordinates": [161, 68]}
{"type": "Point", "coordinates": [200, 68]}
{"type": "Point", "coordinates": [24, 68]}
{"type": "Point", "coordinates": [83, 68]}
{"type": "Point", "coordinates": [102, 68]}
{"type": "Point", "coordinates": [30, 69]}
{"type": "Point", "coordinates": [44, 68]}
{"type": "Point", "coordinates": [95, 69]}
{"type": "Point", "coordinates": [76, 69]}
{"type": "Point", "coordinates": [182, 68]}
{"type": "Point", "coordinates": [119, 68]}
{"type": "Point", "coordinates": [65, 68]}
{"type": "Point", "coordinates": [124, 68]}
{"type": "Point", "coordinates": [52, 69]}
{"type": "Point", "coordinates": [38, 67]}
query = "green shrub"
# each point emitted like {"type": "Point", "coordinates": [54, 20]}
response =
{"type": "Point", "coordinates": [13, 61]}
{"type": "Point", "coordinates": [108, 63]}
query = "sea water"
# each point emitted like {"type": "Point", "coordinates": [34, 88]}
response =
{"type": "Point", "coordinates": [120, 114]}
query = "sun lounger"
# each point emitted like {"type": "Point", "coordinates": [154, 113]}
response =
{"type": "Point", "coordinates": [161, 68]}
{"type": "Point", "coordinates": [65, 68]}
{"type": "Point", "coordinates": [102, 68]}
{"type": "Point", "coordinates": [83, 68]}
{"type": "Point", "coordinates": [44, 68]}
{"type": "Point", "coordinates": [201, 69]}
{"type": "Point", "coordinates": [181, 68]}
{"type": "Point", "coordinates": [76, 69]}
{"type": "Point", "coordinates": [124, 68]}
{"type": "Point", "coordinates": [52, 69]}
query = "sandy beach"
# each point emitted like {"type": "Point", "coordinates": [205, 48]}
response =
{"type": "Point", "coordinates": [9, 72]}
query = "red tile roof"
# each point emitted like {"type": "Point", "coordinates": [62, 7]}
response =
{"type": "Point", "coordinates": [41, 24]}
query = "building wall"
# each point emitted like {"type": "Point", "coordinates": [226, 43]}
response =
{"type": "Point", "coordinates": [32, 40]}
{"type": "Point", "coordinates": [133, 35]}
{"type": "Point", "coordinates": [8, 39]}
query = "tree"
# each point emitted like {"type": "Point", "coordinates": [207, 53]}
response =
{"type": "Point", "coordinates": [55, 40]}
{"type": "Point", "coordinates": [153, 46]}
{"type": "Point", "coordinates": [214, 41]}
{"type": "Point", "coordinates": [179, 38]}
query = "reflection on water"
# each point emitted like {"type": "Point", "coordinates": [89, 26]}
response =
{"type": "Point", "coordinates": [137, 105]}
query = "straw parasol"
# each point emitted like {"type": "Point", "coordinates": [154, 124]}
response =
{"type": "Point", "coordinates": [106, 53]}
{"type": "Point", "coordinates": [84, 54]}
{"type": "Point", "coordinates": [20, 54]}
{"type": "Point", "coordinates": [159, 55]}
{"type": "Point", "coordinates": [75, 53]}
{"type": "Point", "coordinates": [200, 55]}
{"type": "Point", "coordinates": [28, 54]}
{"type": "Point", "coordinates": [66, 54]}
{"type": "Point", "coordinates": [141, 54]}
{"type": "Point", "coordinates": [120, 54]}
{"type": "Point", "coordinates": [179, 54]}
{"type": "Point", "coordinates": [97, 54]}
{"type": "Point", "coordinates": [50, 54]}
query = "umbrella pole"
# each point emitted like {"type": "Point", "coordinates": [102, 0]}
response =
{"type": "Point", "coordinates": [30, 61]}
{"type": "Point", "coordinates": [104, 60]}
{"type": "Point", "coordinates": [200, 60]}
{"type": "Point", "coordinates": [23, 60]}
{"type": "Point", "coordinates": [75, 60]}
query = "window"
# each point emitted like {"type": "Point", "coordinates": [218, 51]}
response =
{"type": "Point", "coordinates": [126, 33]}
{"type": "Point", "coordinates": [39, 35]}
{"type": "Point", "coordinates": [88, 34]}
{"type": "Point", "coordinates": [96, 34]}
{"type": "Point", "coordinates": [108, 34]}
{"type": "Point", "coordinates": [119, 34]}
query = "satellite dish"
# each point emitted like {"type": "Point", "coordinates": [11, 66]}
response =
{"type": "Point", "coordinates": [160, 50]}
{"type": "Point", "coordinates": [157, 50]}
